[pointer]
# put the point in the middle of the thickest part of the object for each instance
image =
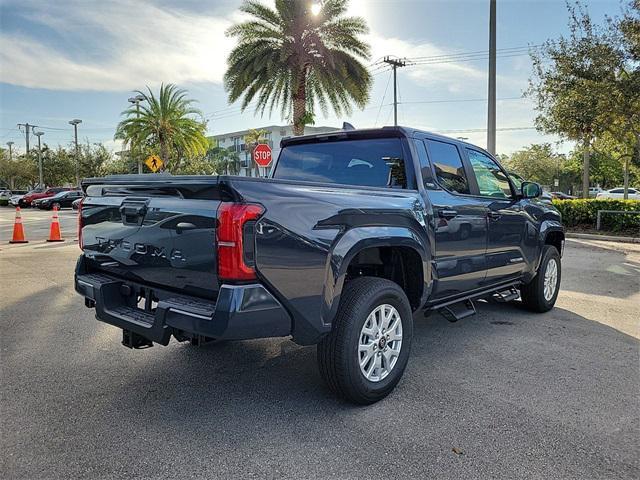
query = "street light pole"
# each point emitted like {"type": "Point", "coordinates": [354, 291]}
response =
{"type": "Point", "coordinates": [491, 114]}
{"type": "Point", "coordinates": [40, 176]}
{"type": "Point", "coordinates": [75, 123]}
{"type": "Point", "coordinates": [134, 146]}
{"type": "Point", "coordinates": [10, 144]}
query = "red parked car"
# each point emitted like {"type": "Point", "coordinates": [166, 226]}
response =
{"type": "Point", "coordinates": [49, 192]}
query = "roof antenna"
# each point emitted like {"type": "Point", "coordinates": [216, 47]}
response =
{"type": "Point", "coordinates": [347, 126]}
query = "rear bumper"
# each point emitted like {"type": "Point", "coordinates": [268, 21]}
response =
{"type": "Point", "coordinates": [240, 312]}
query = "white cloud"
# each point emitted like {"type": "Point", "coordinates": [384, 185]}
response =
{"type": "Point", "coordinates": [126, 46]}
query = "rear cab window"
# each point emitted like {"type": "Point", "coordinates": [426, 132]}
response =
{"type": "Point", "coordinates": [371, 162]}
{"type": "Point", "coordinates": [448, 166]}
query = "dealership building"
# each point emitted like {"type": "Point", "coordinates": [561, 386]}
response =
{"type": "Point", "coordinates": [234, 141]}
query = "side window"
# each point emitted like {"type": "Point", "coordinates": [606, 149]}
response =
{"type": "Point", "coordinates": [448, 165]}
{"type": "Point", "coordinates": [492, 182]}
{"type": "Point", "coordinates": [425, 167]}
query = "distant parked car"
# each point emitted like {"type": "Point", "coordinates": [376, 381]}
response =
{"type": "Point", "coordinates": [546, 197]}
{"type": "Point", "coordinates": [14, 201]}
{"type": "Point", "coordinates": [618, 193]}
{"type": "Point", "coordinates": [49, 192]}
{"type": "Point", "coordinates": [594, 191]}
{"type": "Point", "coordinates": [561, 196]}
{"type": "Point", "coordinates": [5, 194]}
{"type": "Point", "coordinates": [60, 200]}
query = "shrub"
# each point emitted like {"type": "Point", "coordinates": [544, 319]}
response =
{"type": "Point", "coordinates": [584, 213]}
{"type": "Point", "coordinates": [4, 202]}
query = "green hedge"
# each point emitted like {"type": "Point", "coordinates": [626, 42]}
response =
{"type": "Point", "coordinates": [4, 202]}
{"type": "Point", "coordinates": [583, 213]}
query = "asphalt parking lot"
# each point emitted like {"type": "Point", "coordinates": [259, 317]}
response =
{"type": "Point", "coordinates": [504, 394]}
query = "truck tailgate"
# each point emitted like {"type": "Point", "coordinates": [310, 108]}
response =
{"type": "Point", "coordinates": [154, 235]}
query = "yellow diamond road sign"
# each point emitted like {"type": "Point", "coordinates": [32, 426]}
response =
{"type": "Point", "coordinates": [154, 163]}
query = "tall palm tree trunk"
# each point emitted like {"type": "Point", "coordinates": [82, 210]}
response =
{"type": "Point", "coordinates": [164, 153]}
{"type": "Point", "coordinates": [300, 106]}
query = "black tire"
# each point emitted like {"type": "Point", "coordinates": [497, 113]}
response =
{"type": "Point", "coordinates": [533, 292]}
{"type": "Point", "coordinates": [338, 352]}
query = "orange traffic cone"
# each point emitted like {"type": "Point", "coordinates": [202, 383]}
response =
{"type": "Point", "coordinates": [54, 232]}
{"type": "Point", "coordinates": [18, 230]}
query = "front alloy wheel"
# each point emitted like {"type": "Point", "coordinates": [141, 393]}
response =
{"type": "Point", "coordinates": [541, 293]}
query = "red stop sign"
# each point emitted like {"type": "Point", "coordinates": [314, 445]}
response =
{"type": "Point", "coordinates": [262, 155]}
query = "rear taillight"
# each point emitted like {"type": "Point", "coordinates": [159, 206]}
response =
{"type": "Point", "coordinates": [235, 242]}
{"type": "Point", "coordinates": [80, 225]}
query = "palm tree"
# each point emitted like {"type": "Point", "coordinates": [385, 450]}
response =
{"type": "Point", "coordinates": [165, 123]}
{"type": "Point", "coordinates": [224, 161]}
{"type": "Point", "coordinates": [252, 140]}
{"type": "Point", "coordinates": [293, 58]}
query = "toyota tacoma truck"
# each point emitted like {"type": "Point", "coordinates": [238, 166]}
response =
{"type": "Point", "coordinates": [354, 233]}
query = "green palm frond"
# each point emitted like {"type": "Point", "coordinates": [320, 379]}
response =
{"type": "Point", "coordinates": [284, 53]}
{"type": "Point", "coordinates": [168, 121]}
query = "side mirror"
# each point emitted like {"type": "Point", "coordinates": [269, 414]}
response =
{"type": "Point", "coordinates": [530, 190]}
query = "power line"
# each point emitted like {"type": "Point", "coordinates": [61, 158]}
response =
{"type": "Point", "coordinates": [383, 97]}
{"type": "Point", "coordinates": [480, 130]}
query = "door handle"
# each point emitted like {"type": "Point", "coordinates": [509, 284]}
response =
{"type": "Point", "coordinates": [447, 213]}
{"type": "Point", "coordinates": [493, 215]}
{"type": "Point", "coordinates": [183, 226]}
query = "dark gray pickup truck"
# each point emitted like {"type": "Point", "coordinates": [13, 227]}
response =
{"type": "Point", "coordinates": [355, 233]}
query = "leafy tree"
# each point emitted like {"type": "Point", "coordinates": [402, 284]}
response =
{"type": "Point", "coordinates": [291, 58]}
{"type": "Point", "coordinates": [165, 122]}
{"type": "Point", "coordinates": [622, 114]}
{"type": "Point", "coordinates": [572, 81]}
{"type": "Point", "coordinates": [536, 163]}
{"type": "Point", "coordinates": [18, 173]}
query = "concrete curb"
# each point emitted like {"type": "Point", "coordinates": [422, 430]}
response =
{"type": "Point", "coordinates": [602, 238]}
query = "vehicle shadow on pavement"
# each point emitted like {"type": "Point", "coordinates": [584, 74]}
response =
{"type": "Point", "coordinates": [521, 395]}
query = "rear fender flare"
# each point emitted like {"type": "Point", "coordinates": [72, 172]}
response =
{"type": "Point", "coordinates": [354, 241]}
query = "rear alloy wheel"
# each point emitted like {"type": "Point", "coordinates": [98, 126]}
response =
{"type": "Point", "coordinates": [56, 206]}
{"type": "Point", "coordinates": [380, 343]}
{"type": "Point", "coordinates": [365, 354]}
{"type": "Point", "coordinates": [541, 293]}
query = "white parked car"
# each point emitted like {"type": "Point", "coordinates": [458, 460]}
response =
{"type": "Point", "coordinates": [618, 193]}
{"type": "Point", "coordinates": [15, 200]}
{"type": "Point", "coordinates": [5, 194]}
{"type": "Point", "coordinates": [593, 191]}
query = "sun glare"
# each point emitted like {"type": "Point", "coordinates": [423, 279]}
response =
{"type": "Point", "coordinates": [315, 8]}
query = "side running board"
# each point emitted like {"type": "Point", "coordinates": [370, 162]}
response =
{"type": "Point", "coordinates": [458, 311]}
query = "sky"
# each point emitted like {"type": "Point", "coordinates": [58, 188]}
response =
{"type": "Point", "coordinates": [66, 59]}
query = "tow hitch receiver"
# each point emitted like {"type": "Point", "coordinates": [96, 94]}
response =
{"type": "Point", "coordinates": [133, 340]}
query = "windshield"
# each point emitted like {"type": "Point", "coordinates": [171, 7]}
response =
{"type": "Point", "coordinates": [60, 194]}
{"type": "Point", "coordinates": [516, 179]}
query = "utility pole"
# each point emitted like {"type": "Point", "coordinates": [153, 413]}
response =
{"type": "Point", "coordinates": [10, 144]}
{"type": "Point", "coordinates": [491, 114]}
{"type": "Point", "coordinates": [39, 134]}
{"type": "Point", "coordinates": [27, 127]}
{"type": "Point", "coordinates": [395, 63]}
{"type": "Point", "coordinates": [75, 123]}
{"type": "Point", "coordinates": [134, 145]}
